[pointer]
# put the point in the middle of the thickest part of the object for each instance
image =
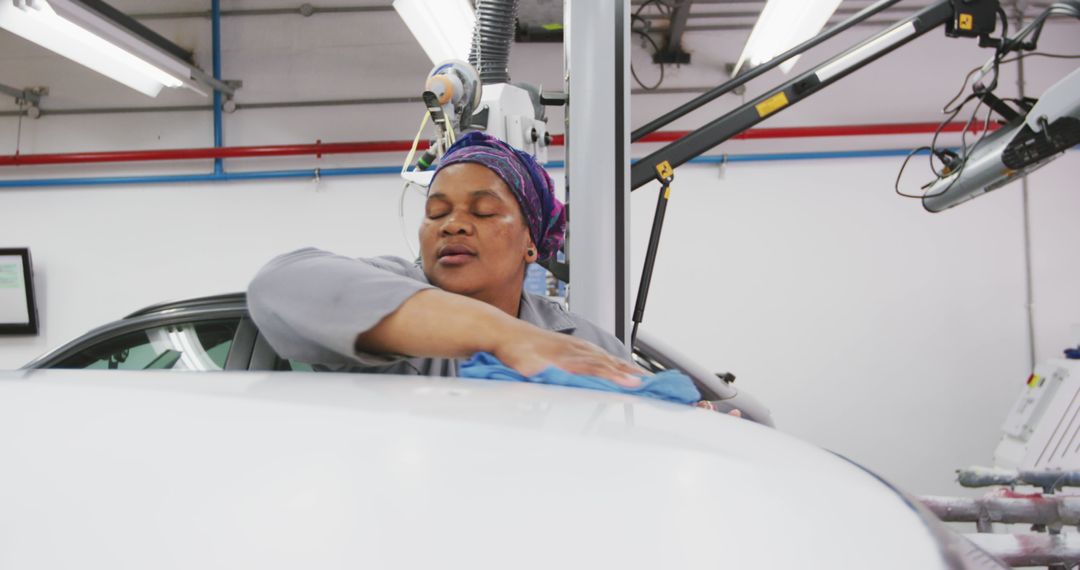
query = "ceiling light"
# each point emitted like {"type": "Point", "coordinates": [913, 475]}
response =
{"type": "Point", "coordinates": [444, 28]}
{"type": "Point", "coordinates": [784, 24]}
{"type": "Point", "coordinates": [89, 33]}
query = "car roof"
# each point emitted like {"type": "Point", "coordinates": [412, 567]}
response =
{"type": "Point", "coordinates": [282, 469]}
{"type": "Point", "coordinates": [236, 303]}
{"type": "Point", "coordinates": [224, 301]}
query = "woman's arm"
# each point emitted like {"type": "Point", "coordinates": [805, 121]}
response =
{"type": "Point", "coordinates": [435, 323]}
{"type": "Point", "coordinates": [317, 307]}
{"type": "Point", "coordinates": [310, 304]}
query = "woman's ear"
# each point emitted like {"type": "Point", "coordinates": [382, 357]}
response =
{"type": "Point", "coordinates": [530, 253]}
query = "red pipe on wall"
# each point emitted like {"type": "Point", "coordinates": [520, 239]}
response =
{"type": "Point", "coordinates": [319, 148]}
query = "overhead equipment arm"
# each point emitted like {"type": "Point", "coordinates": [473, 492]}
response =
{"type": "Point", "coordinates": [974, 19]}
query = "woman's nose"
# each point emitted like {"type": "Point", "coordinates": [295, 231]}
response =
{"type": "Point", "coordinates": [456, 225]}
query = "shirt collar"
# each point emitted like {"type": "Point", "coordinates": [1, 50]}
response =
{"type": "Point", "coordinates": [545, 313]}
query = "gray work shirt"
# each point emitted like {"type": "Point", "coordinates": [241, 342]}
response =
{"type": "Point", "coordinates": [311, 305]}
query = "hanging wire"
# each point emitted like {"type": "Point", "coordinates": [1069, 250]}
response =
{"type": "Point", "coordinates": [401, 218]}
{"type": "Point", "coordinates": [408, 183]}
{"type": "Point", "coordinates": [18, 129]}
{"type": "Point", "coordinates": [665, 9]}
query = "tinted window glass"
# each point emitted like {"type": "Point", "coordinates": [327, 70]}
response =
{"type": "Point", "coordinates": [292, 365]}
{"type": "Point", "coordinates": [645, 361]}
{"type": "Point", "coordinates": [190, 346]}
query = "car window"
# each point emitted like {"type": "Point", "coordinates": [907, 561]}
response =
{"type": "Point", "coordinates": [640, 358]}
{"type": "Point", "coordinates": [200, 345]}
{"type": "Point", "coordinates": [292, 365]}
{"type": "Point", "coordinates": [645, 361]}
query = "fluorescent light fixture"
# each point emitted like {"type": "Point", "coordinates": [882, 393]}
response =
{"type": "Point", "coordinates": [87, 37]}
{"type": "Point", "coordinates": [444, 28]}
{"type": "Point", "coordinates": [857, 55]}
{"type": "Point", "coordinates": [784, 24]}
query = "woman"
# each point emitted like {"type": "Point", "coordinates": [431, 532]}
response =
{"type": "Point", "coordinates": [491, 211]}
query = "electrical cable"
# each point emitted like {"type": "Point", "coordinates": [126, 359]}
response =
{"type": "Point", "coordinates": [451, 138]}
{"type": "Point", "coordinates": [955, 170]}
{"type": "Point", "coordinates": [18, 132]}
{"type": "Point", "coordinates": [408, 183]}
{"type": "Point", "coordinates": [660, 5]}
{"type": "Point", "coordinates": [1036, 25]}
{"type": "Point", "coordinates": [932, 149]}
{"type": "Point", "coordinates": [1003, 46]}
{"type": "Point", "coordinates": [644, 33]}
{"type": "Point", "coordinates": [401, 214]}
{"type": "Point", "coordinates": [1041, 54]}
{"type": "Point", "coordinates": [415, 143]}
{"type": "Point", "coordinates": [656, 49]}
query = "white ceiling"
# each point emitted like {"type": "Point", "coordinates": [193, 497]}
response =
{"type": "Point", "coordinates": [372, 54]}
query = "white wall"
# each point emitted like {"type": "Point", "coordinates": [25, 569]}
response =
{"type": "Point", "coordinates": [893, 336]}
{"type": "Point", "coordinates": [869, 326]}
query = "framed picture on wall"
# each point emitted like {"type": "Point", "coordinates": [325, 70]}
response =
{"type": "Point", "coordinates": [18, 310]}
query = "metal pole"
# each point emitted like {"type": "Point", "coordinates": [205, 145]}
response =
{"type": "Point", "coordinates": [1031, 550]}
{"type": "Point", "coordinates": [1029, 285]}
{"type": "Point", "coordinates": [665, 175]}
{"type": "Point", "coordinates": [1042, 510]}
{"type": "Point", "coordinates": [215, 7]}
{"type": "Point", "coordinates": [597, 39]}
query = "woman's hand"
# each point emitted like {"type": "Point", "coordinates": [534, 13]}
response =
{"type": "Point", "coordinates": [530, 350]}
{"type": "Point", "coordinates": [435, 323]}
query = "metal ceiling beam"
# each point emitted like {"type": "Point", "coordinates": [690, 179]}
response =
{"type": "Point", "coordinates": [673, 51]}
{"type": "Point", "coordinates": [302, 10]}
{"type": "Point", "coordinates": [752, 15]}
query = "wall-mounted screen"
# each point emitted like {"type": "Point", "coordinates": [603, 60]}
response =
{"type": "Point", "coordinates": [18, 310]}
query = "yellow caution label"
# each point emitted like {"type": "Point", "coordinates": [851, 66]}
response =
{"type": "Point", "coordinates": [664, 170]}
{"type": "Point", "coordinates": [667, 192]}
{"type": "Point", "coordinates": [1034, 381]}
{"type": "Point", "coordinates": [966, 22]}
{"type": "Point", "coordinates": [771, 105]}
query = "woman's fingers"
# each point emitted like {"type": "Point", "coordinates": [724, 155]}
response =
{"type": "Point", "coordinates": [536, 350]}
{"type": "Point", "coordinates": [631, 368]}
{"type": "Point", "coordinates": [600, 366]}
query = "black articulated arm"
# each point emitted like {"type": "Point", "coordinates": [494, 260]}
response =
{"type": "Point", "coordinates": [758, 70]}
{"type": "Point", "coordinates": [746, 116]}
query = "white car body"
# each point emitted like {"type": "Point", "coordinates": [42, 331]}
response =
{"type": "Point", "coordinates": [239, 470]}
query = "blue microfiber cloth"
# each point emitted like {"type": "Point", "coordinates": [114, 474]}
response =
{"type": "Point", "coordinates": [669, 385]}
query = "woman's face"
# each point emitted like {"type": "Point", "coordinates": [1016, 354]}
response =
{"type": "Point", "coordinates": [473, 240]}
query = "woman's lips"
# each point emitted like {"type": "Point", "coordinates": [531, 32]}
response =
{"type": "Point", "coordinates": [456, 259]}
{"type": "Point", "coordinates": [455, 255]}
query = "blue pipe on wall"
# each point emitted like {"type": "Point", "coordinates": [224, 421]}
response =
{"type": "Point", "coordinates": [374, 170]}
{"type": "Point", "coordinates": [215, 19]}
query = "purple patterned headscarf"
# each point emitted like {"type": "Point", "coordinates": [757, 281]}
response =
{"type": "Point", "coordinates": [529, 182]}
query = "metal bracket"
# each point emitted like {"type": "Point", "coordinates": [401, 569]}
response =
{"type": "Point", "coordinates": [29, 96]}
{"type": "Point", "coordinates": [553, 98]}
{"type": "Point", "coordinates": [226, 86]}
{"type": "Point", "coordinates": [673, 51]}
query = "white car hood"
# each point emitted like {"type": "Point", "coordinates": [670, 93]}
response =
{"type": "Point", "coordinates": [119, 470]}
